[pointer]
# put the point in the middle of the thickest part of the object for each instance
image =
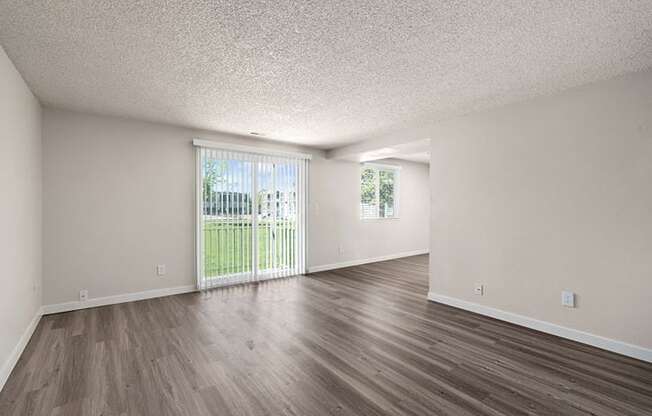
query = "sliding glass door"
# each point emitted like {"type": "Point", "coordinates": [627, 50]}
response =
{"type": "Point", "coordinates": [251, 216]}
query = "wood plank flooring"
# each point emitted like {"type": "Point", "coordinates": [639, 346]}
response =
{"type": "Point", "coordinates": [355, 341]}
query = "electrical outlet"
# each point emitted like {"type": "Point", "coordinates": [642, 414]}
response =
{"type": "Point", "coordinates": [160, 269]}
{"type": "Point", "coordinates": [568, 299]}
{"type": "Point", "coordinates": [340, 249]}
{"type": "Point", "coordinates": [83, 295]}
{"type": "Point", "coordinates": [478, 289]}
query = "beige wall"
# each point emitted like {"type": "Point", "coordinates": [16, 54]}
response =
{"type": "Point", "coordinates": [547, 195]}
{"type": "Point", "coordinates": [119, 199]}
{"type": "Point", "coordinates": [20, 209]}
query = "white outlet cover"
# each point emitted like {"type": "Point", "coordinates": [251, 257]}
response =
{"type": "Point", "coordinates": [479, 289]}
{"type": "Point", "coordinates": [568, 299]}
{"type": "Point", "coordinates": [83, 295]}
{"type": "Point", "coordinates": [160, 269]}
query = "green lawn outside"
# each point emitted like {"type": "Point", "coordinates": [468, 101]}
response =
{"type": "Point", "coordinates": [224, 242]}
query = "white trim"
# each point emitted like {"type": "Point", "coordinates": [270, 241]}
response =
{"type": "Point", "coordinates": [324, 267]}
{"type": "Point", "coordinates": [13, 358]}
{"type": "Point", "coordinates": [122, 298]}
{"type": "Point", "coordinates": [382, 166]}
{"type": "Point", "coordinates": [608, 344]}
{"type": "Point", "coordinates": [249, 149]}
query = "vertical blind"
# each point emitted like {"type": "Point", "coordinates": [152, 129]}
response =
{"type": "Point", "coordinates": [251, 216]}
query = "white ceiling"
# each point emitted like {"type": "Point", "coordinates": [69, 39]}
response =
{"type": "Point", "coordinates": [322, 73]}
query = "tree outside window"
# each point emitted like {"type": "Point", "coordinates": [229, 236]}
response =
{"type": "Point", "coordinates": [378, 186]}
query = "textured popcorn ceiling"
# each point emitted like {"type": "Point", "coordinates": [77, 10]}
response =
{"type": "Point", "coordinates": [322, 73]}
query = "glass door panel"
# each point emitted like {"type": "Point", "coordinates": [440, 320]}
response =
{"type": "Point", "coordinates": [227, 217]}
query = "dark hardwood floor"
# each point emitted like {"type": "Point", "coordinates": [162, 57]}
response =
{"type": "Point", "coordinates": [355, 341]}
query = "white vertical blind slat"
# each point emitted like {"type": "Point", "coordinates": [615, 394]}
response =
{"type": "Point", "coordinates": [219, 213]}
{"type": "Point", "coordinates": [273, 239]}
{"type": "Point", "coordinates": [199, 229]}
{"type": "Point", "coordinates": [216, 225]}
{"type": "Point", "coordinates": [254, 221]}
{"type": "Point", "coordinates": [287, 231]}
{"type": "Point", "coordinates": [300, 226]}
{"type": "Point", "coordinates": [240, 217]}
{"type": "Point", "coordinates": [244, 221]}
{"type": "Point", "coordinates": [230, 250]}
{"type": "Point", "coordinates": [281, 220]}
{"type": "Point", "coordinates": [295, 268]}
{"type": "Point", "coordinates": [304, 207]}
{"type": "Point", "coordinates": [286, 222]}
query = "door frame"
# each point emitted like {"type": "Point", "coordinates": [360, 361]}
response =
{"type": "Point", "coordinates": [302, 211]}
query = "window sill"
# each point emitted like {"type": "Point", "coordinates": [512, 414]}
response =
{"type": "Point", "coordinates": [380, 219]}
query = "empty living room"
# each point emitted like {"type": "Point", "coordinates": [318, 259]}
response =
{"type": "Point", "coordinates": [304, 208]}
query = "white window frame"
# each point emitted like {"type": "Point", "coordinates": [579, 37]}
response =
{"type": "Point", "coordinates": [377, 167]}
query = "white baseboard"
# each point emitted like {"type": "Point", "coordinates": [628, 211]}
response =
{"type": "Point", "coordinates": [111, 300]}
{"type": "Point", "coordinates": [9, 365]}
{"type": "Point", "coordinates": [324, 267]}
{"type": "Point", "coordinates": [612, 345]}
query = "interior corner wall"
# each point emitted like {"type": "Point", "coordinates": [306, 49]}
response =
{"type": "Point", "coordinates": [119, 198]}
{"type": "Point", "coordinates": [548, 195]}
{"type": "Point", "coordinates": [20, 214]}
{"type": "Point", "coordinates": [337, 234]}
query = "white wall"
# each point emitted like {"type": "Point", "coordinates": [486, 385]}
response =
{"type": "Point", "coordinates": [20, 212]}
{"type": "Point", "coordinates": [335, 214]}
{"type": "Point", "coordinates": [119, 199]}
{"type": "Point", "coordinates": [547, 195]}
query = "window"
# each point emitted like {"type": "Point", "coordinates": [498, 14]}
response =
{"type": "Point", "coordinates": [378, 191]}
